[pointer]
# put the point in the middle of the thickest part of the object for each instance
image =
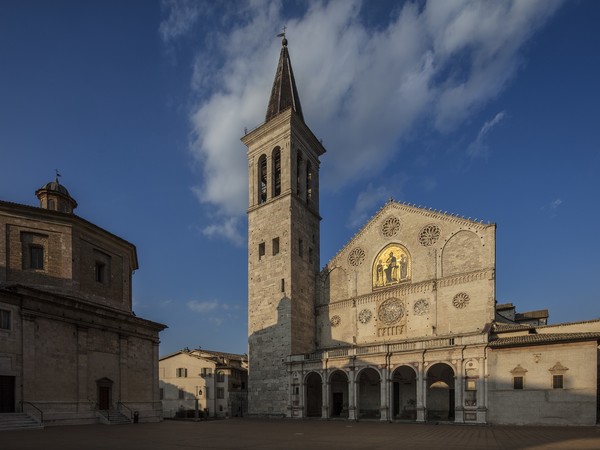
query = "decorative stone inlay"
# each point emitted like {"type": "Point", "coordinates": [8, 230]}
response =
{"type": "Point", "coordinates": [335, 321]}
{"type": "Point", "coordinates": [429, 235]}
{"type": "Point", "coordinates": [356, 257]}
{"type": "Point", "coordinates": [421, 307]}
{"type": "Point", "coordinates": [391, 311]}
{"type": "Point", "coordinates": [390, 227]}
{"type": "Point", "coordinates": [365, 316]}
{"type": "Point", "coordinates": [460, 300]}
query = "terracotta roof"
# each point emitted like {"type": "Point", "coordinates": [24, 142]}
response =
{"type": "Point", "coordinates": [540, 339]}
{"type": "Point", "coordinates": [284, 93]}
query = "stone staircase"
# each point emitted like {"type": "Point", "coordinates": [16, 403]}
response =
{"type": "Point", "coordinates": [114, 417]}
{"type": "Point", "coordinates": [18, 421]}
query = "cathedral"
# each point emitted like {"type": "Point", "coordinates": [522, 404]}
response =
{"type": "Point", "coordinates": [403, 323]}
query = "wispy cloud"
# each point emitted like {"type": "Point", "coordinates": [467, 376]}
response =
{"type": "Point", "coordinates": [362, 89]}
{"type": "Point", "coordinates": [479, 147]}
{"type": "Point", "coordinates": [552, 207]}
{"type": "Point", "coordinates": [203, 306]}
{"type": "Point", "coordinates": [181, 15]}
{"type": "Point", "coordinates": [226, 228]}
{"type": "Point", "coordinates": [364, 204]}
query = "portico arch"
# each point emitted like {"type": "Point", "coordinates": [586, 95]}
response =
{"type": "Point", "coordinates": [404, 393]}
{"type": "Point", "coordinates": [369, 394]}
{"type": "Point", "coordinates": [440, 392]}
{"type": "Point", "coordinates": [338, 386]}
{"type": "Point", "coordinates": [314, 394]}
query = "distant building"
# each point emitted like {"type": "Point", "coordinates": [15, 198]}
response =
{"type": "Point", "coordinates": [217, 381]}
{"type": "Point", "coordinates": [70, 346]}
{"type": "Point", "coordinates": [402, 323]}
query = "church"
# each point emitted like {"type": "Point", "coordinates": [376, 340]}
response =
{"type": "Point", "coordinates": [71, 349]}
{"type": "Point", "coordinates": [403, 322]}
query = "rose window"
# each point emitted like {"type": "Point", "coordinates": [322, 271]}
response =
{"type": "Point", "coordinates": [390, 227]}
{"type": "Point", "coordinates": [429, 235]}
{"type": "Point", "coordinates": [356, 257]}
{"type": "Point", "coordinates": [391, 311]}
{"type": "Point", "coordinates": [461, 300]}
{"type": "Point", "coordinates": [365, 316]}
{"type": "Point", "coordinates": [335, 321]}
{"type": "Point", "coordinates": [421, 307]}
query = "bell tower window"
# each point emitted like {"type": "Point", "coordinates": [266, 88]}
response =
{"type": "Point", "coordinates": [309, 175]}
{"type": "Point", "coordinates": [276, 171]}
{"type": "Point", "coordinates": [262, 179]}
{"type": "Point", "coordinates": [298, 173]}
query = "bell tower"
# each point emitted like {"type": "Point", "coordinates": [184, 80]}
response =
{"type": "Point", "coordinates": [283, 242]}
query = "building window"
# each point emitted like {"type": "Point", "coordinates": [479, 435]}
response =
{"type": "Point", "coordinates": [36, 257]}
{"type": "Point", "coordinates": [262, 179]}
{"type": "Point", "coordinates": [198, 391]}
{"type": "Point", "coordinates": [206, 372]}
{"type": "Point", "coordinates": [220, 377]}
{"type": "Point", "coordinates": [181, 394]}
{"type": "Point", "coordinates": [261, 250]}
{"type": "Point", "coordinates": [161, 393]}
{"type": "Point", "coordinates": [470, 392]}
{"type": "Point", "coordinates": [276, 172]}
{"type": "Point", "coordinates": [275, 246]}
{"type": "Point", "coordinates": [220, 392]}
{"type": "Point", "coordinates": [4, 319]}
{"type": "Point", "coordinates": [182, 372]}
{"type": "Point", "coordinates": [300, 248]}
{"type": "Point", "coordinates": [309, 175]}
{"type": "Point", "coordinates": [557, 381]}
{"type": "Point", "coordinates": [100, 272]}
{"type": "Point", "coordinates": [517, 382]}
{"type": "Point", "coordinates": [310, 255]}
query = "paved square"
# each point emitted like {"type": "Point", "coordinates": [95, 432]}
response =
{"type": "Point", "coordinates": [287, 434]}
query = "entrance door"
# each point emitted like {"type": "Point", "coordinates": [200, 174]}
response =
{"type": "Point", "coordinates": [337, 404]}
{"type": "Point", "coordinates": [103, 397]}
{"type": "Point", "coordinates": [7, 394]}
{"type": "Point", "coordinates": [396, 403]}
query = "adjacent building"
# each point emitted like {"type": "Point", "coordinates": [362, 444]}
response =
{"type": "Point", "coordinates": [402, 323]}
{"type": "Point", "coordinates": [212, 383]}
{"type": "Point", "coordinates": [71, 347]}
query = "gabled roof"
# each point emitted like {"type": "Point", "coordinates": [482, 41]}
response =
{"type": "Point", "coordinates": [284, 93]}
{"type": "Point", "coordinates": [542, 339]}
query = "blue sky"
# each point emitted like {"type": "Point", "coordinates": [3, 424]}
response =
{"type": "Point", "coordinates": [490, 110]}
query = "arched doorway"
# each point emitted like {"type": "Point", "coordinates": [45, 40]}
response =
{"type": "Point", "coordinates": [338, 383]}
{"type": "Point", "coordinates": [440, 392]}
{"type": "Point", "coordinates": [314, 395]}
{"type": "Point", "coordinates": [404, 393]}
{"type": "Point", "coordinates": [369, 394]}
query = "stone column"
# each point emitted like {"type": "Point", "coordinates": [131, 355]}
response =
{"type": "Point", "coordinates": [421, 394]}
{"type": "Point", "coordinates": [482, 382]}
{"type": "Point", "coordinates": [326, 389]}
{"type": "Point", "coordinates": [384, 394]}
{"type": "Point", "coordinates": [123, 358]}
{"type": "Point", "coordinates": [458, 393]}
{"type": "Point", "coordinates": [352, 395]}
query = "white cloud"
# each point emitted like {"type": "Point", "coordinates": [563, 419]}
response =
{"type": "Point", "coordinates": [556, 203]}
{"type": "Point", "coordinates": [203, 306]}
{"type": "Point", "coordinates": [227, 228]}
{"type": "Point", "coordinates": [181, 17]}
{"type": "Point", "coordinates": [478, 147]}
{"type": "Point", "coordinates": [362, 89]}
{"type": "Point", "coordinates": [364, 204]}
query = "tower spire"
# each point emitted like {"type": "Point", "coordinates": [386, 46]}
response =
{"type": "Point", "coordinates": [284, 93]}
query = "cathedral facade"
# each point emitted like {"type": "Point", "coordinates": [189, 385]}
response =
{"type": "Point", "coordinates": [401, 324]}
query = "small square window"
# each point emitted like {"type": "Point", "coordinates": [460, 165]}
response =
{"type": "Point", "coordinates": [261, 250]}
{"type": "Point", "coordinates": [4, 319]}
{"type": "Point", "coordinates": [518, 383]}
{"type": "Point", "coordinates": [275, 246]}
{"type": "Point", "coordinates": [182, 372]}
{"type": "Point", "coordinates": [310, 255]}
{"type": "Point", "coordinates": [557, 382]}
{"type": "Point", "coordinates": [36, 257]}
{"type": "Point", "coordinates": [220, 392]}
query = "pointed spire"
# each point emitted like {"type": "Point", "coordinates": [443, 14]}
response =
{"type": "Point", "coordinates": [284, 93]}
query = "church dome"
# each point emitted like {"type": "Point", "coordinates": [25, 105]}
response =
{"type": "Point", "coordinates": [55, 186]}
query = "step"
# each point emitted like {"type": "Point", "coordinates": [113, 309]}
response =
{"type": "Point", "coordinates": [18, 421]}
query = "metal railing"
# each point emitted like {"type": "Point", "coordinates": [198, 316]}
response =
{"type": "Point", "coordinates": [32, 410]}
{"type": "Point", "coordinates": [128, 409]}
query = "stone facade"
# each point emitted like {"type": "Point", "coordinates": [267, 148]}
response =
{"type": "Point", "coordinates": [214, 382]}
{"type": "Point", "coordinates": [70, 345]}
{"type": "Point", "coordinates": [401, 324]}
